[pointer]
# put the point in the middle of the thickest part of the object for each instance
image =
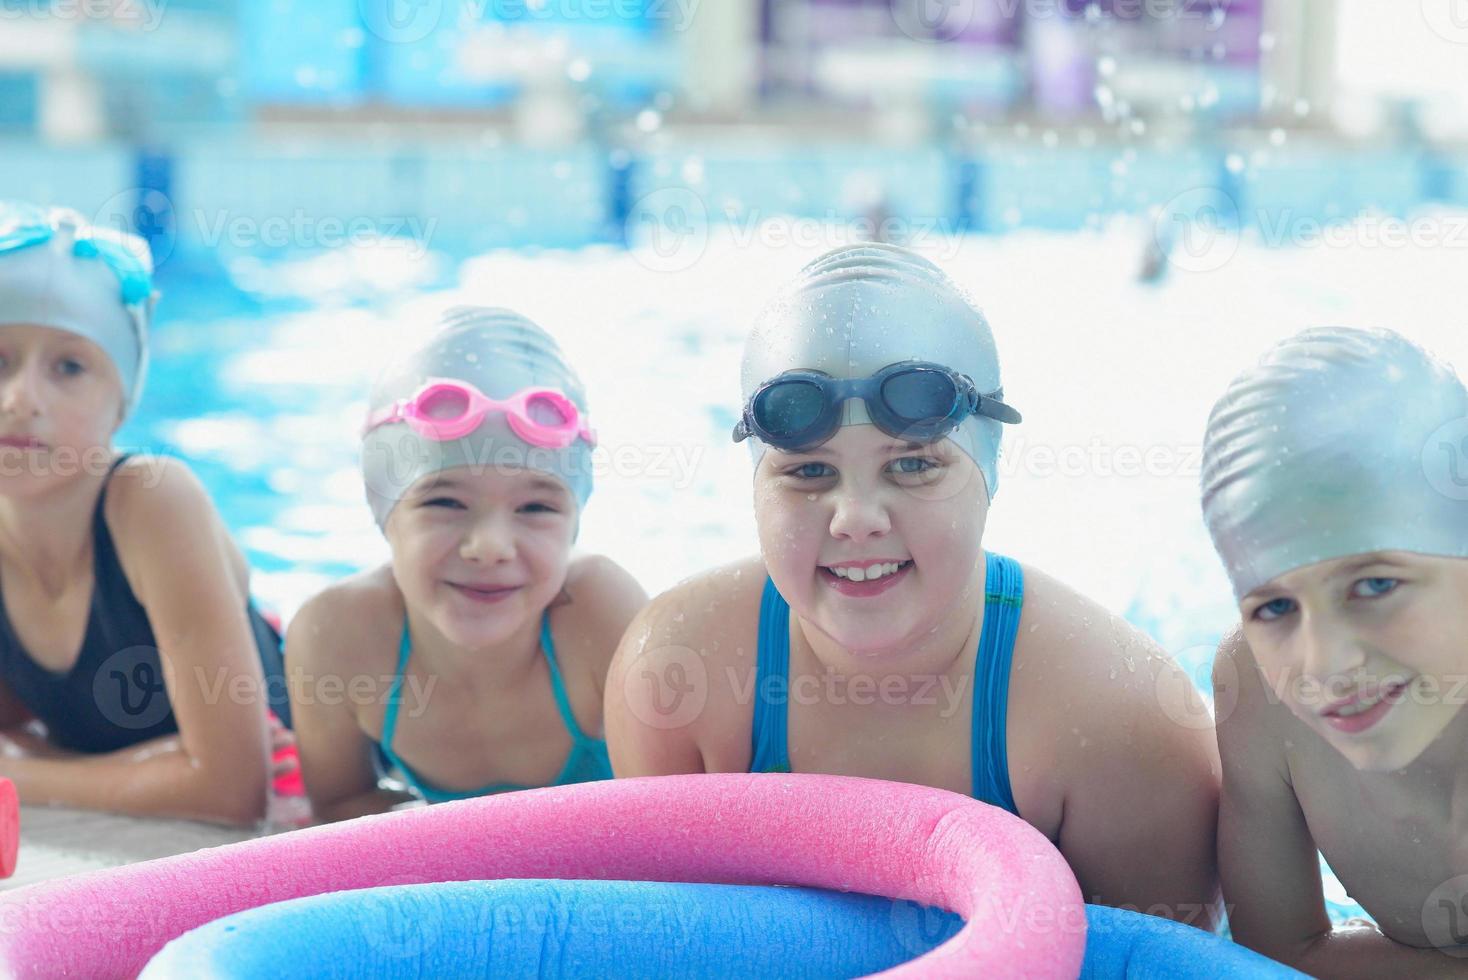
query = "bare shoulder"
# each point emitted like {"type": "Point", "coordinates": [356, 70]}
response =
{"type": "Point", "coordinates": [1252, 724]}
{"type": "Point", "coordinates": [167, 531]}
{"type": "Point", "coordinates": [1071, 640]}
{"type": "Point", "coordinates": [1086, 681]}
{"type": "Point", "coordinates": [146, 493]}
{"type": "Point", "coordinates": [686, 666]}
{"type": "Point", "coordinates": [348, 625]}
{"type": "Point", "coordinates": [713, 612]}
{"type": "Point", "coordinates": [600, 599]}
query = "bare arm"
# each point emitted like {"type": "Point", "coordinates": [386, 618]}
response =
{"type": "Point", "coordinates": [181, 566]}
{"type": "Point", "coordinates": [604, 600]}
{"type": "Point", "coordinates": [654, 698]}
{"type": "Point", "coordinates": [20, 734]}
{"type": "Point", "coordinates": [1140, 787]}
{"type": "Point", "coordinates": [1267, 855]}
{"type": "Point", "coordinates": [336, 754]}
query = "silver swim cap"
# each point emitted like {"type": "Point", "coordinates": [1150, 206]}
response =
{"type": "Point", "coordinates": [58, 271]}
{"type": "Point", "coordinates": [859, 308]}
{"type": "Point", "coordinates": [500, 353]}
{"type": "Point", "coordinates": [1334, 446]}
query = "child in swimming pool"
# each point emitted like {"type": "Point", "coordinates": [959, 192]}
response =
{"type": "Point", "coordinates": [874, 636]}
{"type": "Point", "coordinates": [127, 637]}
{"type": "Point", "coordinates": [480, 652]}
{"type": "Point", "coordinates": [1330, 490]}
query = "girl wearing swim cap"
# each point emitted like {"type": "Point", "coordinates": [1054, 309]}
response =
{"type": "Point", "coordinates": [133, 667]}
{"type": "Point", "coordinates": [479, 653]}
{"type": "Point", "coordinates": [1335, 491]}
{"type": "Point", "coordinates": [874, 636]}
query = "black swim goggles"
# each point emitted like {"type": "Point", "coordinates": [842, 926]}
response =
{"type": "Point", "coordinates": [913, 400]}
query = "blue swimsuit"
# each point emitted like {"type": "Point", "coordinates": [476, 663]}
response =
{"type": "Point", "coordinates": [587, 762]}
{"type": "Point", "coordinates": [1003, 599]}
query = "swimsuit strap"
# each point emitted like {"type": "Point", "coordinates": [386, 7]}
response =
{"type": "Point", "coordinates": [395, 697]}
{"type": "Point", "coordinates": [587, 760]}
{"type": "Point", "coordinates": [1004, 591]}
{"type": "Point", "coordinates": [558, 687]}
{"type": "Point", "coordinates": [770, 751]}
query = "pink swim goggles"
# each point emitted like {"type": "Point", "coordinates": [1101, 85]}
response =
{"type": "Point", "coordinates": [445, 409]}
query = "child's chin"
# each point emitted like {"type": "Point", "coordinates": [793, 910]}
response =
{"type": "Point", "coordinates": [1400, 753]}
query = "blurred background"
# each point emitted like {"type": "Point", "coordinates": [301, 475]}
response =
{"type": "Point", "coordinates": [546, 122]}
{"type": "Point", "coordinates": [1142, 195]}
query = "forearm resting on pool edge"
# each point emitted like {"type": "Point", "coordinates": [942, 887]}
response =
{"type": "Point", "coordinates": [157, 778]}
{"type": "Point", "coordinates": [1361, 952]}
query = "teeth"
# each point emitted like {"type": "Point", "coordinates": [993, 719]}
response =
{"type": "Point", "coordinates": [866, 575]}
{"type": "Point", "coordinates": [1360, 706]}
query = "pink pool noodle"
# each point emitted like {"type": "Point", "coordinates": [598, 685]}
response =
{"type": "Point", "coordinates": [9, 828]}
{"type": "Point", "coordinates": [1024, 913]}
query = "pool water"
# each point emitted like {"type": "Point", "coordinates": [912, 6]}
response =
{"type": "Point", "coordinates": [261, 366]}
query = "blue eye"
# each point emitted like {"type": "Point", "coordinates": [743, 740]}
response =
{"type": "Point", "coordinates": [804, 471]}
{"type": "Point", "coordinates": [448, 502]}
{"type": "Point", "coordinates": [1369, 588]}
{"type": "Point", "coordinates": [70, 368]}
{"type": "Point", "coordinates": [539, 508]}
{"type": "Point", "coordinates": [1274, 609]}
{"type": "Point", "coordinates": [924, 465]}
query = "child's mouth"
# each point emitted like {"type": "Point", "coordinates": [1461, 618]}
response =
{"type": "Point", "coordinates": [873, 580]}
{"type": "Point", "coordinates": [485, 594]}
{"type": "Point", "coordinates": [1364, 713]}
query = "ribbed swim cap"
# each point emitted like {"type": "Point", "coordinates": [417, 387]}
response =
{"type": "Point", "coordinates": [1339, 442]}
{"type": "Point", "coordinates": [500, 352]}
{"type": "Point", "coordinates": [859, 308]}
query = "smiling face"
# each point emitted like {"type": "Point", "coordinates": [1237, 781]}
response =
{"type": "Point", "coordinates": [479, 551]}
{"type": "Point", "coordinates": [864, 505]}
{"type": "Point", "coordinates": [1368, 651]}
{"type": "Point", "coordinates": [60, 402]}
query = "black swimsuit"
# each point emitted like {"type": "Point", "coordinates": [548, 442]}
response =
{"type": "Point", "coordinates": [114, 696]}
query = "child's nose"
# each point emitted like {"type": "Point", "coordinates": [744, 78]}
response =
{"type": "Point", "coordinates": [859, 515]}
{"type": "Point", "coordinates": [1332, 655]}
{"type": "Point", "coordinates": [490, 540]}
{"type": "Point", "coordinates": [20, 391]}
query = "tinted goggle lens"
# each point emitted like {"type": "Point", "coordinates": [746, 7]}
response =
{"type": "Point", "coordinates": [789, 408]}
{"type": "Point", "coordinates": [920, 396]}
